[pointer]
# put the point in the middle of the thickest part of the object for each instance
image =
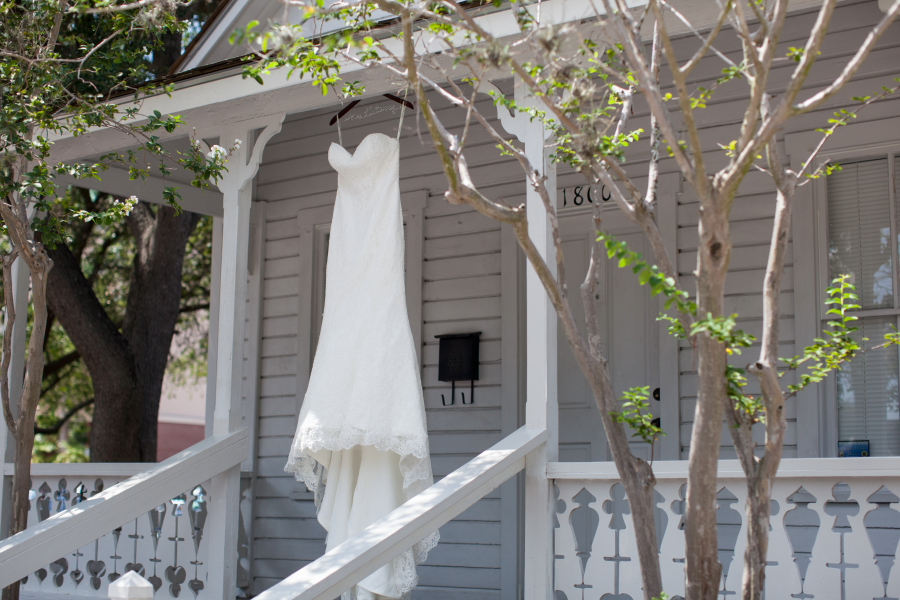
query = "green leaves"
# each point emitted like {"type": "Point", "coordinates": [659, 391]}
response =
{"type": "Point", "coordinates": [157, 121]}
{"type": "Point", "coordinates": [115, 213]}
{"type": "Point", "coordinates": [647, 274]}
{"type": "Point", "coordinates": [795, 54]}
{"type": "Point", "coordinates": [838, 345]}
{"type": "Point", "coordinates": [722, 330]}
{"type": "Point", "coordinates": [843, 117]}
{"type": "Point", "coordinates": [752, 406]}
{"type": "Point", "coordinates": [38, 88]}
{"type": "Point", "coordinates": [703, 95]}
{"type": "Point", "coordinates": [635, 414]}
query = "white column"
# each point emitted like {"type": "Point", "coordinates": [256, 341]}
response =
{"type": "Point", "coordinates": [541, 342]}
{"type": "Point", "coordinates": [213, 337]}
{"type": "Point", "coordinates": [225, 488]}
{"type": "Point", "coordinates": [237, 188]}
{"type": "Point", "coordinates": [21, 281]}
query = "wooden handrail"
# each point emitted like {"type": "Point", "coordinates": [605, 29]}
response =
{"type": "Point", "coordinates": [69, 530]}
{"type": "Point", "coordinates": [365, 552]}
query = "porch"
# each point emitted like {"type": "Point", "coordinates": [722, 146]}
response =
{"type": "Point", "coordinates": [554, 529]}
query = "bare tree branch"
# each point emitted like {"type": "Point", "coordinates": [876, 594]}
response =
{"type": "Point", "coordinates": [854, 64]}
{"type": "Point", "coordinates": [650, 89]}
{"type": "Point", "coordinates": [708, 41]}
{"type": "Point", "coordinates": [64, 419]}
{"type": "Point", "coordinates": [61, 362]}
{"type": "Point", "coordinates": [698, 167]}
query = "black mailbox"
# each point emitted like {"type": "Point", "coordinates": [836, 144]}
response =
{"type": "Point", "coordinates": [458, 361]}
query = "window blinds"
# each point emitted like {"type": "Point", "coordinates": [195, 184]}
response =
{"type": "Point", "coordinates": [867, 390]}
{"type": "Point", "coordinates": [859, 233]}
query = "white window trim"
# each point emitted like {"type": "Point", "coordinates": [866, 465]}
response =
{"type": "Point", "coordinates": [817, 420]}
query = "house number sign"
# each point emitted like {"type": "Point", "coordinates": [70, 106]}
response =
{"type": "Point", "coordinates": [581, 195]}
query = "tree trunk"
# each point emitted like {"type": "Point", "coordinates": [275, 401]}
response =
{"type": "Point", "coordinates": [127, 368]}
{"type": "Point", "coordinates": [701, 536]}
{"type": "Point", "coordinates": [39, 265]}
{"type": "Point", "coordinates": [639, 483]}
{"type": "Point", "coordinates": [154, 300]}
{"type": "Point", "coordinates": [165, 57]}
{"type": "Point", "coordinates": [761, 475]}
{"type": "Point", "coordinates": [758, 514]}
{"type": "Point", "coordinates": [116, 424]}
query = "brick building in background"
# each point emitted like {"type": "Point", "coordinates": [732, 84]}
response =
{"type": "Point", "coordinates": [181, 417]}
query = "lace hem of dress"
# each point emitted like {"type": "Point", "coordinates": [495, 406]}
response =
{"type": "Point", "coordinates": [415, 465]}
{"type": "Point", "coordinates": [415, 461]}
{"type": "Point", "coordinates": [405, 576]}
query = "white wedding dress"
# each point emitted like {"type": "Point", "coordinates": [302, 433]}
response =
{"type": "Point", "coordinates": [362, 430]}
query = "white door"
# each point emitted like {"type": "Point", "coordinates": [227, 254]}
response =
{"type": "Point", "coordinates": [629, 329]}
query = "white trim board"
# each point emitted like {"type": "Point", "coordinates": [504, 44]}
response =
{"type": "Point", "coordinates": [831, 468]}
{"type": "Point", "coordinates": [117, 182]}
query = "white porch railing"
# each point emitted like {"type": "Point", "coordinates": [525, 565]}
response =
{"type": "Point", "coordinates": [835, 530]}
{"type": "Point", "coordinates": [358, 557]}
{"type": "Point", "coordinates": [109, 519]}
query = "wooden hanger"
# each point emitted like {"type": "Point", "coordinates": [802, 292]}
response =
{"type": "Point", "coordinates": [353, 104]}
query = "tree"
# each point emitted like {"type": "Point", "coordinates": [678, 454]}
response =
{"type": "Point", "coordinates": [106, 255]}
{"type": "Point", "coordinates": [44, 92]}
{"type": "Point", "coordinates": [127, 366]}
{"type": "Point", "coordinates": [71, 392]}
{"type": "Point", "coordinates": [584, 80]}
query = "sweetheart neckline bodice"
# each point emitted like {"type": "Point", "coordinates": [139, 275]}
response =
{"type": "Point", "coordinates": [361, 149]}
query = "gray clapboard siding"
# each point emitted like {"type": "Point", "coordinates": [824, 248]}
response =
{"type": "Point", "coordinates": [456, 577]}
{"type": "Point", "coordinates": [688, 403]}
{"type": "Point", "coordinates": [461, 290]}
{"type": "Point", "coordinates": [753, 209]}
{"type": "Point", "coordinates": [424, 592]}
{"type": "Point", "coordinates": [268, 572]}
{"type": "Point", "coordinates": [485, 396]}
{"type": "Point", "coordinates": [751, 256]}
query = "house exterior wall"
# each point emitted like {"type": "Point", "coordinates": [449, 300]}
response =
{"type": "Point", "coordinates": [471, 280]}
{"type": "Point", "coordinates": [752, 216]}
{"type": "Point", "coordinates": [812, 414]}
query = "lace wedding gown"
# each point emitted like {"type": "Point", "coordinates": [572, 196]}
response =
{"type": "Point", "coordinates": [362, 430]}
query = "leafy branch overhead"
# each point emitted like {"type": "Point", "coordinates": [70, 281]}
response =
{"type": "Point", "coordinates": [60, 62]}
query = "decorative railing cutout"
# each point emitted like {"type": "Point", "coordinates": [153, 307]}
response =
{"type": "Point", "coordinates": [152, 545]}
{"type": "Point", "coordinates": [830, 539]}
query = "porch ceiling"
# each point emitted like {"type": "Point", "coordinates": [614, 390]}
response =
{"type": "Point", "coordinates": [116, 181]}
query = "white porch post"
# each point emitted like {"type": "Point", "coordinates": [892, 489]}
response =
{"type": "Point", "coordinates": [21, 282]}
{"type": "Point", "coordinates": [236, 187]}
{"type": "Point", "coordinates": [541, 388]}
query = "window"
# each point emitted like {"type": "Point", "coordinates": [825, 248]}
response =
{"type": "Point", "coordinates": [863, 240]}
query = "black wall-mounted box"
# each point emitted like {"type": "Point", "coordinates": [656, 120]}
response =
{"type": "Point", "coordinates": [458, 361]}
